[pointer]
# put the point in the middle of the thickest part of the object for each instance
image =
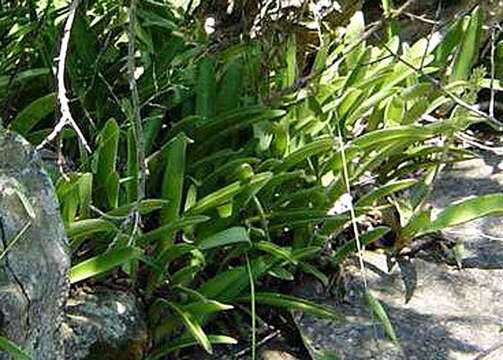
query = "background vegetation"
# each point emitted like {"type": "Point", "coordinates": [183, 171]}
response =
{"type": "Point", "coordinates": [206, 165]}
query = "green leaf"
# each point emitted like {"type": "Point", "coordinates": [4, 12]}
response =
{"type": "Point", "coordinates": [292, 303]}
{"type": "Point", "coordinates": [385, 136]}
{"type": "Point", "coordinates": [161, 351]}
{"type": "Point", "coordinates": [394, 111]}
{"type": "Point", "coordinates": [172, 184]}
{"type": "Point", "coordinates": [226, 194]}
{"type": "Point", "coordinates": [23, 76]}
{"type": "Point", "coordinates": [467, 210]}
{"type": "Point", "coordinates": [181, 223]}
{"type": "Point", "coordinates": [106, 176]}
{"type": "Point", "coordinates": [276, 251]}
{"type": "Point", "coordinates": [193, 326]}
{"type": "Point", "coordinates": [281, 273]}
{"type": "Point", "coordinates": [12, 349]}
{"type": "Point", "coordinates": [31, 115]}
{"type": "Point", "coordinates": [145, 207]}
{"type": "Point", "coordinates": [229, 94]}
{"type": "Point", "coordinates": [468, 49]}
{"type": "Point", "coordinates": [365, 239]}
{"type": "Point", "coordinates": [206, 307]}
{"type": "Point", "coordinates": [206, 88]}
{"type": "Point", "coordinates": [85, 185]}
{"type": "Point", "coordinates": [381, 314]}
{"type": "Point", "coordinates": [450, 41]}
{"type": "Point", "coordinates": [385, 190]}
{"type": "Point", "coordinates": [228, 284]}
{"type": "Point", "coordinates": [233, 235]}
{"type": "Point", "coordinates": [291, 62]}
{"type": "Point", "coordinates": [103, 263]}
{"type": "Point", "coordinates": [88, 227]}
{"type": "Point", "coordinates": [316, 147]}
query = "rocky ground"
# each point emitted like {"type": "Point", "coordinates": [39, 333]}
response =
{"type": "Point", "coordinates": [453, 313]}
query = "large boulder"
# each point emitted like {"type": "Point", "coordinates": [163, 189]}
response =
{"type": "Point", "coordinates": [33, 253]}
{"type": "Point", "coordinates": [104, 325]}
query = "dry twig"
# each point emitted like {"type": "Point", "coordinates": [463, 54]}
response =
{"type": "Point", "coordinates": [64, 104]}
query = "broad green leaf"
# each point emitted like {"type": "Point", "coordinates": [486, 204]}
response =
{"type": "Point", "coordinates": [103, 263]}
{"type": "Point", "coordinates": [112, 187]}
{"type": "Point", "coordinates": [206, 88]}
{"type": "Point", "coordinates": [314, 271]}
{"type": "Point", "coordinates": [226, 194]}
{"type": "Point", "coordinates": [381, 314]}
{"type": "Point", "coordinates": [365, 239]}
{"type": "Point", "coordinates": [419, 222]}
{"type": "Point", "coordinates": [316, 147]}
{"type": "Point", "coordinates": [468, 49]}
{"type": "Point", "coordinates": [281, 273]}
{"type": "Point", "coordinates": [292, 303]}
{"type": "Point", "coordinates": [233, 235]}
{"type": "Point", "coordinates": [179, 224]}
{"type": "Point", "coordinates": [85, 184]}
{"type": "Point", "coordinates": [385, 190]}
{"type": "Point", "coordinates": [161, 351]}
{"type": "Point", "coordinates": [145, 207]}
{"type": "Point", "coordinates": [206, 307]}
{"type": "Point", "coordinates": [33, 113]}
{"type": "Point", "coordinates": [106, 176]}
{"type": "Point", "coordinates": [467, 210]}
{"type": "Point", "coordinates": [88, 227]}
{"type": "Point", "coordinates": [192, 325]}
{"type": "Point", "coordinates": [394, 111]}
{"type": "Point", "coordinates": [173, 182]}
{"type": "Point", "coordinates": [229, 94]}
{"type": "Point", "coordinates": [291, 62]}
{"type": "Point", "coordinates": [276, 251]}
{"type": "Point", "coordinates": [227, 285]}
{"type": "Point", "coordinates": [450, 41]}
{"type": "Point", "coordinates": [385, 136]}
{"type": "Point", "coordinates": [23, 76]}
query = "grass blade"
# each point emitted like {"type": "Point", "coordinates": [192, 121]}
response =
{"type": "Point", "coordinates": [103, 263]}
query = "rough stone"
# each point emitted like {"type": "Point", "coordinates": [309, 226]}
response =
{"type": "Point", "coordinates": [33, 255]}
{"type": "Point", "coordinates": [271, 354]}
{"type": "Point", "coordinates": [104, 325]}
{"type": "Point", "coordinates": [453, 314]}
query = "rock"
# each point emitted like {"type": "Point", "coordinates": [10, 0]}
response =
{"type": "Point", "coordinates": [270, 354]}
{"type": "Point", "coordinates": [33, 255]}
{"type": "Point", "coordinates": [452, 314]}
{"type": "Point", "coordinates": [104, 325]}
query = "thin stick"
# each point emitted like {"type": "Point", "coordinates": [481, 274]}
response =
{"type": "Point", "coordinates": [359, 246]}
{"type": "Point", "coordinates": [135, 100]}
{"type": "Point", "coordinates": [64, 104]}
{"type": "Point", "coordinates": [493, 70]}
{"type": "Point", "coordinates": [253, 311]}
{"type": "Point", "coordinates": [138, 134]}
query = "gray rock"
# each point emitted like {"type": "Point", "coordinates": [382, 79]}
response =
{"type": "Point", "coordinates": [104, 325]}
{"type": "Point", "coordinates": [453, 314]}
{"type": "Point", "coordinates": [34, 259]}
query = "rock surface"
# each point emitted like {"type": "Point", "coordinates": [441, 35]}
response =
{"type": "Point", "coordinates": [453, 314]}
{"type": "Point", "coordinates": [104, 325]}
{"type": "Point", "coordinates": [33, 256]}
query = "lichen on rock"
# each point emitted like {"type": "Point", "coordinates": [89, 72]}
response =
{"type": "Point", "coordinates": [33, 252]}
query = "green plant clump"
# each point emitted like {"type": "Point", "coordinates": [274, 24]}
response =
{"type": "Point", "coordinates": [246, 151]}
